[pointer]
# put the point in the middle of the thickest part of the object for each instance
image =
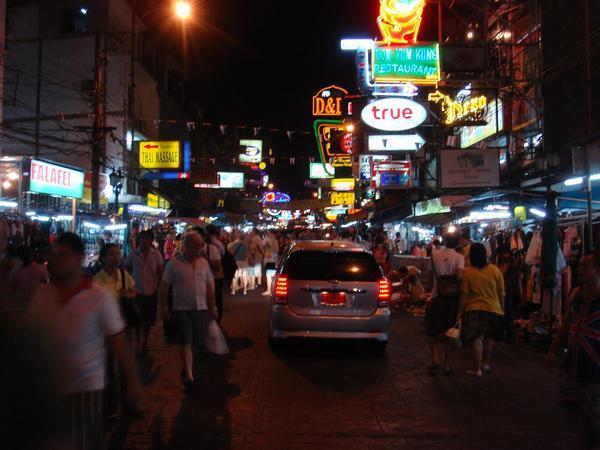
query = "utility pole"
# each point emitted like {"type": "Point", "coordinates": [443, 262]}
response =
{"type": "Point", "coordinates": [38, 95]}
{"type": "Point", "coordinates": [97, 134]}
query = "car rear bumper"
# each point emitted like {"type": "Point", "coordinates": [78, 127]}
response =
{"type": "Point", "coordinates": [285, 323]}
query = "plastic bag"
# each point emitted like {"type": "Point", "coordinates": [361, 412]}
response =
{"type": "Point", "coordinates": [215, 339]}
{"type": "Point", "coordinates": [453, 335]}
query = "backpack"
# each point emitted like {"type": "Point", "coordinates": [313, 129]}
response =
{"type": "Point", "coordinates": [447, 285]}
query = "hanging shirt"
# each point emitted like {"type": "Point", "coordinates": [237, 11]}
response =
{"type": "Point", "coordinates": [584, 340]}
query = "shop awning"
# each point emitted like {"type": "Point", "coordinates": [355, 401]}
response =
{"type": "Point", "coordinates": [432, 219]}
{"type": "Point", "coordinates": [392, 214]}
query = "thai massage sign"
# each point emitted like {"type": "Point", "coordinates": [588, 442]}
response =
{"type": "Point", "coordinates": [393, 114]}
{"type": "Point", "coordinates": [160, 155]}
{"type": "Point", "coordinates": [328, 101]}
{"type": "Point", "coordinates": [52, 179]}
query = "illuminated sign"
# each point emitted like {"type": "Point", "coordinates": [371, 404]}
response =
{"type": "Point", "coordinates": [460, 108]}
{"type": "Point", "coordinates": [275, 197]}
{"type": "Point", "coordinates": [395, 142]}
{"type": "Point", "coordinates": [182, 174]}
{"type": "Point", "coordinates": [231, 180]}
{"type": "Point", "coordinates": [152, 200]}
{"type": "Point", "coordinates": [342, 184]}
{"type": "Point", "coordinates": [341, 161]}
{"type": "Point", "coordinates": [366, 165]}
{"type": "Point", "coordinates": [329, 134]}
{"type": "Point", "coordinates": [391, 174]}
{"type": "Point", "coordinates": [393, 114]}
{"type": "Point", "coordinates": [332, 212]}
{"type": "Point", "coordinates": [52, 179]}
{"type": "Point", "coordinates": [160, 155]}
{"type": "Point", "coordinates": [328, 101]}
{"type": "Point", "coordinates": [343, 198]}
{"type": "Point", "coordinates": [251, 151]}
{"type": "Point", "coordinates": [320, 170]}
{"type": "Point", "coordinates": [399, 20]}
{"type": "Point", "coordinates": [432, 206]}
{"type": "Point", "coordinates": [495, 123]}
{"type": "Point", "coordinates": [417, 63]}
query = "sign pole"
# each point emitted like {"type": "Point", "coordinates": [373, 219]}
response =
{"type": "Point", "coordinates": [73, 214]}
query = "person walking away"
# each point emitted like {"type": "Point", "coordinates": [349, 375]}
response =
{"type": "Point", "coordinates": [271, 250]}
{"type": "Point", "coordinates": [146, 266]}
{"type": "Point", "coordinates": [448, 267]}
{"type": "Point", "coordinates": [510, 270]}
{"type": "Point", "coordinates": [256, 254]}
{"type": "Point", "coordinates": [169, 247]}
{"type": "Point", "coordinates": [122, 287]}
{"type": "Point", "coordinates": [193, 300]}
{"type": "Point", "coordinates": [481, 308]}
{"type": "Point", "coordinates": [26, 278]}
{"type": "Point", "coordinates": [212, 254]}
{"type": "Point", "coordinates": [580, 331]}
{"type": "Point", "coordinates": [239, 249]}
{"type": "Point", "coordinates": [218, 271]}
{"type": "Point", "coordinates": [79, 319]}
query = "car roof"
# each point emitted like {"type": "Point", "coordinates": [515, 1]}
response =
{"type": "Point", "coordinates": [327, 246]}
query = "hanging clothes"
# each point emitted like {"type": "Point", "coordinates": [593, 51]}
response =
{"type": "Point", "coordinates": [569, 236]}
{"type": "Point", "coordinates": [534, 253]}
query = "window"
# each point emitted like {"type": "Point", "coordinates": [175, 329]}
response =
{"type": "Point", "coordinates": [325, 266]}
{"type": "Point", "coordinates": [74, 20]}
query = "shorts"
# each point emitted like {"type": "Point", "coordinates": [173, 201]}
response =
{"type": "Point", "coordinates": [147, 305]}
{"type": "Point", "coordinates": [192, 327]}
{"type": "Point", "coordinates": [242, 265]}
{"type": "Point", "coordinates": [441, 316]}
{"type": "Point", "coordinates": [481, 324]}
{"type": "Point", "coordinates": [258, 270]}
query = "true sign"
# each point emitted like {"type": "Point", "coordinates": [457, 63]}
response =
{"type": "Point", "coordinates": [160, 154]}
{"type": "Point", "coordinates": [52, 179]}
{"type": "Point", "coordinates": [415, 63]}
{"type": "Point", "coordinates": [393, 114]}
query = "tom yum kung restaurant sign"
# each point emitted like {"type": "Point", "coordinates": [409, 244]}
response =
{"type": "Point", "coordinates": [54, 179]}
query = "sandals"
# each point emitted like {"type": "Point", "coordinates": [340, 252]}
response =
{"type": "Point", "coordinates": [475, 373]}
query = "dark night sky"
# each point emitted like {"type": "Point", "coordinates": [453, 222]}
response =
{"type": "Point", "coordinates": [258, 62]}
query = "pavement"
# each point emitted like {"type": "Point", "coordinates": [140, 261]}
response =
{"type": "Point", "coordinates": [339, 395]}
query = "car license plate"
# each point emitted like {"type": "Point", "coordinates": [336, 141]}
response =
{"type": "Point", "coordinates": [333, 298]}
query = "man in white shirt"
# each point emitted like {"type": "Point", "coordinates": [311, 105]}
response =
{"type": "Point", "coordinates": [193, 299]}
{"type": "Point", "coordinates": [78, 318]}
{"type": "Point", "coordinates": [447, 266]}
{"type": "Point", "coordinates": [146, 266]}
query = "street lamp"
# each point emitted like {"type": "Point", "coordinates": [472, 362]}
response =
{"type": "Point", "coordinates": [116, 181]}
{"type": "Point", "coordinates": [183, 9]}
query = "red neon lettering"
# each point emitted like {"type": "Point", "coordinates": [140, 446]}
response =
{"type": "Point", "coordinates": [407, 113]}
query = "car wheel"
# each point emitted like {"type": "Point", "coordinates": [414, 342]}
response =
{"type": "Point", "coordinates": [380, 347]}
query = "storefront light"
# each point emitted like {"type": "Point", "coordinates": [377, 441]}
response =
{"type": "Point", "coordinates": [573, 181]}
{"type": "Point", "coordinates": [147, 209]}
{"type": "Point", "coordinates": [8, 204]}
{"type": "Point", "coordinates": [595, 177]}
{"type": "Point", "coordinates": [537, 212]}
{"type": "Point", "coordinates": [451, 229]}
{"type": "Point", "coordinates": [119, 226]}
{"type": "Point", "coordinates": [64, 217]}
{"type": "Point", "coordinates": [6, 184]}
{"type": "Point", "coordinates": [42, 218]}
{"type": "Point", "coordinates": [91, 225]}
{"type": "Point", "coordinates": [30, 213]}
{"type": "Point", "coordinates": [421, 230]}
{"type": "Point", "coordinates": [13, 176]}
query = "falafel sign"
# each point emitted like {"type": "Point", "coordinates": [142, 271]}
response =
{"type": "Point", "coordinates": [53, 179]}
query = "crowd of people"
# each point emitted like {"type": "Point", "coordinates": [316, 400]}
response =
{"type": "Point", "coordinates": [97, 322]}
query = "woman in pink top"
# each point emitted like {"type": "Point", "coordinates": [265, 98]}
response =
{"type": "Point", "coordinates": [169, 247]}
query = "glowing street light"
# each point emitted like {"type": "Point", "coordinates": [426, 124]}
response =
{"type": "Point", "coordinates": [470, 35]}
{"type": "Point", "coordinates": [183, 9]}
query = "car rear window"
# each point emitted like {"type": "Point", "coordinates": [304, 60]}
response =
{"type": "Point", "coordinates": [342, 266]}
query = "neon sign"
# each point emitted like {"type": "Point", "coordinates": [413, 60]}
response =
{"type": "Point", "coordinates": [459, 108]}
{"type": "Point", "coordinates": [328, 101]}
{"type": "Point", "coordinates": [418, 63]}
{"type": "Point", "coordinates": [276, 197]}
{"type": "Point", "coordinates": [399, 20]}
{"type": "Point", "coordinates": [393, 114]}
{"type": "Point", "coordinates": [325, 131]}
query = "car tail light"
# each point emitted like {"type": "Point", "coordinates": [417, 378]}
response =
{"type": "Point", "coordinates": [385, 293]}
{"type": "Point", "coordinates": [281, 290]}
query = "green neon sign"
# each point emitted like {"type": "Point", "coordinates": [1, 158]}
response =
{"type": "Point", "coordinates": [414, 63]}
